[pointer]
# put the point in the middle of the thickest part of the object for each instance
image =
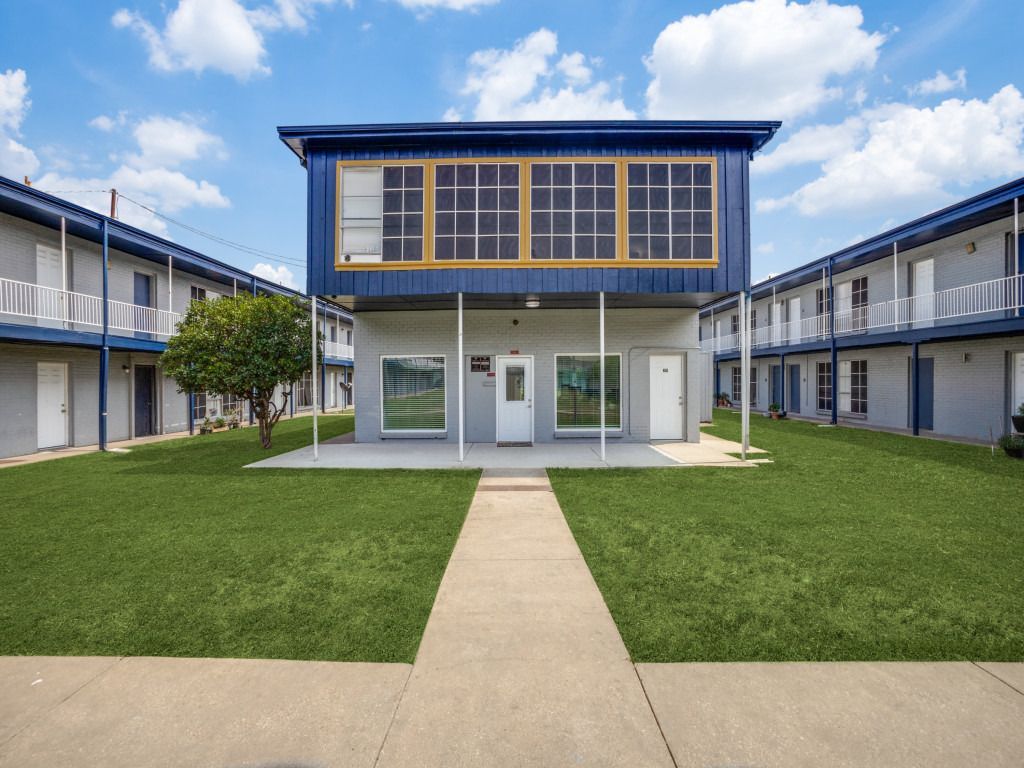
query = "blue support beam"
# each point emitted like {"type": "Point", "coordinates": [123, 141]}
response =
{"type": "Point", "coordinates": [915, 389]}
{"type": "Point", "coordinates": [782, 394]}
{"type": "Point", "coordinates": [830, 303]}
{"type": "Point", "coordinates": [105, 348]}
{"type": "Point", "coordinates": [252, 413]}
{"type": "Point", "coordinates": [191, 413]}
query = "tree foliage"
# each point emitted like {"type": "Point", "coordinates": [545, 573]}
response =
{"type": "Point", "coordinates": [245, 346]}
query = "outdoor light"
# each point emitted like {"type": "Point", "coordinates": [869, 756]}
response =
{"type": "Point", "coordinates": [126, 369]}
{"type": "Point", "coordinates": [532, 302]}
{"type": "Point", "coordinates": [970, 247]}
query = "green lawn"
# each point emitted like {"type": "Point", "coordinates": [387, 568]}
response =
{"type": "Point", "coordinates": [175, 550]}
{"type": "Point", "coordinates": [853, 545]}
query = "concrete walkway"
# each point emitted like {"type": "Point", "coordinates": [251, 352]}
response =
{"type": "Point", "coordinates": [521, 663]}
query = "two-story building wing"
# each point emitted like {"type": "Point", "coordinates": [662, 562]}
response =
{"type": "Point", "coordinates": [488, 264]}
{"type": "Point", "coordinates": [87, 304]}
{"type": "Point", "coordinates": [919, 328]}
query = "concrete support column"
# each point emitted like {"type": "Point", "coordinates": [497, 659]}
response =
{"type": "Point", "coordinates": [601, 353]}
{"type": "Point", "coordinates": [105, 348]}
{"type": "Point", "coordinates": [461, 362]}
{"type": "Point", "coordinates": [312, 376]}
{"type": "Point", "coordinates": [830, 304]}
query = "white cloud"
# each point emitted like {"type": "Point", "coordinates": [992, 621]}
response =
{"type": "Point", "coordinates": [221, 35]}
{"type": "Point", "coordinates": [757, 59]}
{"type": "Point", "coordinates": [450, 5]}
{"type": "Point", "coordinates": [107, 124]}
{"type": "Point", "coordinates": [524, 83]}
{"type": "Point", "coordinates": [941, 83]}
{"type": "Point", "coordinates": [166, 141]}
{"type": "Point", "coordinates": [765, 249]}
{"type": "Point", "coordinates": [812, 144]}
{"type": "Point", "coordinates": [16, 160]}
{"type": "Point", "coordinates": [909, 157]}
{"type": "Point", "coordinates": [280, 275]}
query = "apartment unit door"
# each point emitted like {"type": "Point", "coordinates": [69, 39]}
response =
{"type": "Point", "coordinates": [666, 397]}
{"type": "Point", "coordinates": [50, 310]}
{"type": "Point", "coordinates": [145, 400]}
{"type": "Point", "coordinates": [51, 405]}
{"type": "Point", "coordinates": [794, 389]}
{"type": "Point", "coordinates": [1018, 382]}
{"type": "Point", "coordinates": [923, 302]}
{"type": "Point", "coordinates": [925, 393]}
{"type": "Point", "coordinates": [794, 320]}
{"type": "Point", "coordinates": [515, 400]}
{"type": "Point", "coordinates": [777, 390]}
{"type": "Point", "coordinates": [142, 297]}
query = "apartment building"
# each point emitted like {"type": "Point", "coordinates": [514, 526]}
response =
{"type": "Point", "coordinates": [525, 282]}
{"type": "Point", "coordinates": [87, 304]}
{"type": "Point", "coordinates": [920, 328]}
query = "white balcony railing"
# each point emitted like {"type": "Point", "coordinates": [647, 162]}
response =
{"type": "Point", "coordinates": [138, 319]}
{"type": "Point", "coordinates": [52, 306]}
{"type": "Point", "coordinates": [337, 349]}
{"type": "Point", "coordinates": [993, 298]}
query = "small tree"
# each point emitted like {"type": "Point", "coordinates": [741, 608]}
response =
{"type": "Point", "coordinates": [244, 346]}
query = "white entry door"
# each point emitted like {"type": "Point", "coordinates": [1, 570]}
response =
{"type": "Point", "coordinates": [1018, 382]}
{"type": "Point", "coordinates": [49, 274]}
{"type": "Point", "coordinates": [515, 400]}
{"type": "Point", "coordinates": [51, 405]}
{"type": "Point", "coordinates": [666, 397]}
{"type": "Point", "coordinates": [924, 290]}
{"type": "Point", "coordinates": [794, 320]}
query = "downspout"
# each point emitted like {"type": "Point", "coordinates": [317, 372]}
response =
{"type": "Point", "coordinates": [105, 348]}
{"type": "Point", "coordinates": [832, 335]}
{"type": "Point", "coordinates": [915, 387]}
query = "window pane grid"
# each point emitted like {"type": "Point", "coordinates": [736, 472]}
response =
{"type": "Point", "coordinates": [413, 393]}
{"type": "Point", "coordinates": [578, 392]}
{"type": "Point", "coordinates": [825, 386]}
{"type": "Point", "coordinates": [476, 211]}
{"type": "Point", "coordinates": [572, 208]}
{"type": "Point", "coordinates": [669, 210]}
{"type": "Point", "coordinates": [402, 205]}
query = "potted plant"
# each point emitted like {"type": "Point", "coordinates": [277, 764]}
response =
{"type": "Point", "coordinates": [1013, 445]}
{"type": "Point", "coordinates": [206, 427]}
{"type": "Point", "coordinates": [776, 411]}
{"type": "Point", "coordinates": [219, 423]}
{"type": "Point", "coordinates": [1018, 419]}
{"type": "Point", "coordinates": [723, 400]}
{"type": "Point", "coordinates": [233, 422]}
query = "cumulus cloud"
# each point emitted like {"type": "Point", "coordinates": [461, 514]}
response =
{"type": "Point", "coordinates": [280, 275]}
{"type": "Point", "coordinates": [757, 59]}
{"type": "Point", "coordinates": [941, 83]}
{"type": "Point", "coordinates": [903, 156]}
{"type": "Point", "coordinates": [222, 35]}
{"type": "Point", "coordinates": [527, 82]}
{"type": "Point", "coordinates": [16, 160]}
{"type": "Point", "coordinates": [812, 144]}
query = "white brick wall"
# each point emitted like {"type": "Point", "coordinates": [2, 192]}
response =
{"type": "Point", "coordinates": [633, 333]}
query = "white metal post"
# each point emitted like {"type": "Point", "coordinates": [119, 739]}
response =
{"type": "Point", "coordinates": [601, 352]}
{"type": "Point", "coordinates": [895, 285]}
{"type": "Point", "coordinates": [170, 283]}
{"type": "Point", "coordinates": [462, 395]}
{"type": "Point", "coordinates": [63, 270]}
{"type": "Point", "coordinates": [313, 377]}
{"type": "Point", "coordinates": [744, 374]}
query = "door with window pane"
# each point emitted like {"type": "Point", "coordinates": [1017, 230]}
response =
{"type": "Point", "coordinates": [515, 400]}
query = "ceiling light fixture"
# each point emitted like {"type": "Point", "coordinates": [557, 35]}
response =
{"type": "Point", "coordinates": [532, 302]}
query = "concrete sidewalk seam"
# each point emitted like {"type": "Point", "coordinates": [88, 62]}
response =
{"type": "Point", "coordinates": [654, 714]}
{"type": "Point", "coordinates": [997, 677]}
{"type": "Point", "coordinates": [394, 714]}
{"type": "Point", "coordinates": [116, 660]}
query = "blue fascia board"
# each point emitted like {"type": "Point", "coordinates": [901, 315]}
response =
{"type": "Point", "coordinates": [1011, 326]}
{"type": "Point", "coordinates": [34, 334]}
{"type": "Point", "coordinates": [752, 135]}
{"type": "Point", "coordinates": [345, 362]}
{"type": "Point", "coordinates": [959, 217]}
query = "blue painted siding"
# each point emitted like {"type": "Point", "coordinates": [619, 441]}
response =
{"type": "Point", "coordinates": [731, 275]}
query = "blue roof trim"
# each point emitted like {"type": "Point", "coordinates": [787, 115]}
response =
{"type": "Point", "coordinates": [34, 334]}
{"type": "Point", "coordinates": [25, 202]}
{"type": "Point", "coordinates": [751, 135]}
{"type": "Point", "coordinates": [970, 213]}
{"type": "Point", "coordinates": [342, 361]}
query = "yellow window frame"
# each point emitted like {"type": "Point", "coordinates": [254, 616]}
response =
{"type": "Point", "coordinates": [525, 184]}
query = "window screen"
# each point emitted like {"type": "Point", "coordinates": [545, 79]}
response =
{"type": "Point", "coordinates": [413, 393]}
{"type": "Point", "coordinates": [476, 211]}
{"type": "Point", "coordinates": [572, 210]}
{"type": "Point", "coordinates": [578, 395]}
{"type": "Point", "coordinates": [670, 210]}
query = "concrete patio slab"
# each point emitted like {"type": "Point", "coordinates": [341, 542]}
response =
{"type": "Point", "coordinates": [216, 712]}
{"type": "Point", "coordinates": [427, 454]}
{"type": "Point", "coordinates": [836, 714]}
{"type": "Point", "coordinates": [1010, 672]}
{"type": "Point", "coordinates": [521, 663]}
{"type": "Point", "coordinates": [30, 686]}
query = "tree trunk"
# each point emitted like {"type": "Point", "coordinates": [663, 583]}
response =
{"type": "Point", "coordinates": [265, 428]}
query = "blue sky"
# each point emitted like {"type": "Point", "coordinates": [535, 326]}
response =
{"type": "Point", "coordinates": [890, 109]}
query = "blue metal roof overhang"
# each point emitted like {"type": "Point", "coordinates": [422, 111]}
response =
{"type": "Point", "coordinates": [620, 134]}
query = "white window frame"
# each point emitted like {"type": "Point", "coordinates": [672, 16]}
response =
{"type": "Point", "coordinates": [380, 394]}
{"type": "Point", "coordinates": [554, 402]}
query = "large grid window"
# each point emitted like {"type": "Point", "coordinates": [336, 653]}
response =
{"type": "Point", "coordinates": [825, 386]}
{"type": "Point", "coordinates": [381, 213]}
{"type": "Point", "coordinates": [737, 384]}
{"type": "Point", "coordinates": [853, 386]}
{"type": "Point", "coordinates": [402, 222]}
{"type": "Point", "coordinates": [572, 210]}
{"type": "Point", "coordinates": [303, 391]}
{"type": "Point", "coordinates": [413, 394]}
{"type": "Point", "coordinates": [670, 210]}
{"type": "Point", "coordinates": [753, 386]}
{"type": "Point", "coordinates": [859, 303]}
{"type": "Point", "coordinates": [476, 211]}
{"type": "Point", "coordinates": [578, 391]}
